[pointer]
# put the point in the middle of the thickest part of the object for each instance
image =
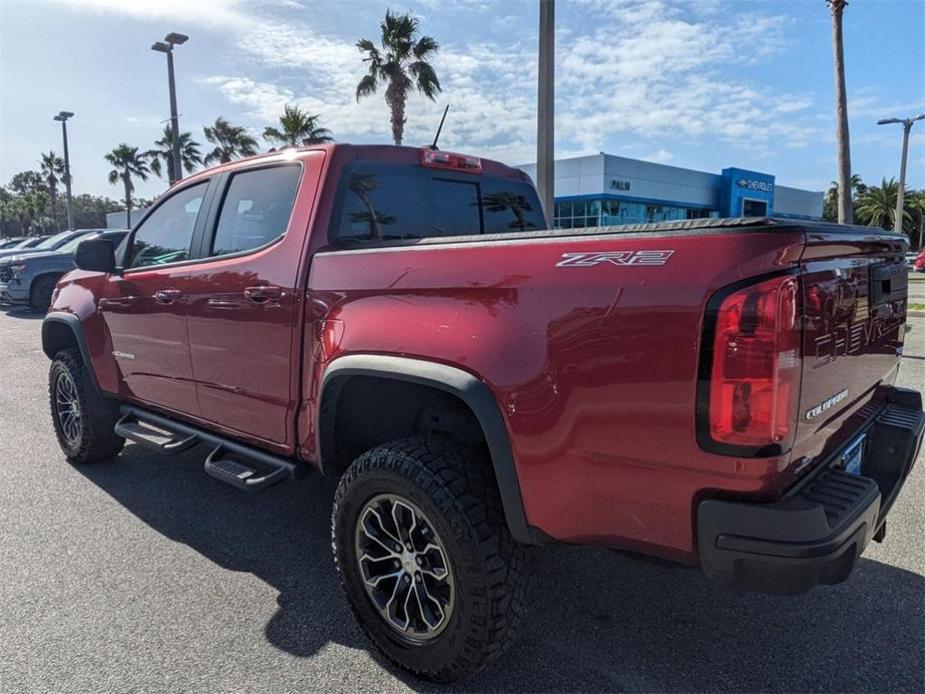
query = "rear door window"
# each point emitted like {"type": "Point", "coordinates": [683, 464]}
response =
{"type": "Point", "coordinates": [256, 209]}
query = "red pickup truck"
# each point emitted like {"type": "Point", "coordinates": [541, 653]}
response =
{"type": "Point", "coordinates": [717, 392]}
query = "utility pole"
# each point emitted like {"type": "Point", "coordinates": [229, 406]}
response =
{"type": "Point", "coordinates": [166, 46]}
{"type": "Point", "coordinates": [545, 121]}
{"type": "Point", "coordinates": [907, 126]}
{"type": "Point", "coordinates": [62, 117]}
{"type": "Point", "coordinates": [845, 205]}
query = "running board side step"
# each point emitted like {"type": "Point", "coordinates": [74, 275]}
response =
{"type": "Point", "coordinates": [231, 462]}
{"type": "Point", "coordinates": [226, 466]}
{"type": "Point", "coordinates": [156, 438]}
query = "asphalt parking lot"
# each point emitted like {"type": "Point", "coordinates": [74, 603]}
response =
{"type": "Point", "coordinates": [143, 574]}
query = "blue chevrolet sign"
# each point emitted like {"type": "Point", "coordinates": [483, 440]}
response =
{"type": "Point", "coordinates": [746, 193]}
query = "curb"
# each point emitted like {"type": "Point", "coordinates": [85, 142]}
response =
{"type": "Point", "coordinates": [916, 314]}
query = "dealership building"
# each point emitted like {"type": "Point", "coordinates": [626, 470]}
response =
{"type": "Point", "coordinates": [603, 189]}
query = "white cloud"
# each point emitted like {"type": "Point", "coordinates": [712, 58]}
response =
{"type": "Point", "coordinates": [214, 13]}
{"type": "Point", "coordinates": [868, 103]}
{"type": "Point", "coordinates": [145, 121]}
{"type": "Point", "coordinates": [662, 156]}
{"type": "Point", "coordinates": [660, 76]}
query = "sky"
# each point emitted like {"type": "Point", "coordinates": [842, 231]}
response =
{"type": "Point", "coordinates": [702, 84]}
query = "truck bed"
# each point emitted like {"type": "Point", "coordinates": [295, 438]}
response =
{"type": "Point", "coordinates": [594, 364]}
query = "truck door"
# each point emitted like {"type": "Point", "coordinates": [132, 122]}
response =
{"type": "Point", "coordinates": [144, 307]}
{"type": "Point", "coordinates": [244, 342]}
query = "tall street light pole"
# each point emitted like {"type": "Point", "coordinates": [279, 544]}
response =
{"type": "Point", "coordinates": [62, 117]}
{"type": "Point", "coordinates": [907, 126]}
{"type": "Point", "coordinates": [545, 121]}
{"type": "Point", "coordinates": [166, 46]}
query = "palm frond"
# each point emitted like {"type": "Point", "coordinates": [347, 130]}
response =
{"type": "Point", "coordinates": [426, 78]}
{"type": "Point", "coordinates": [425, 46]}
{"type": "Point", "coordinates": [214, 156]}
{"type": "Point", "coordinates": [367, 86]}
{"type": "Point", "coordinates": [155, 156]}
{"type": "Point", "coordinates": [273, 135]}
{"type": "Point", "coordinates": [368, 47]}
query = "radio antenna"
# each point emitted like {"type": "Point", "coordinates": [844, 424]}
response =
{"type": "Point", "coordinates": [440, 127]}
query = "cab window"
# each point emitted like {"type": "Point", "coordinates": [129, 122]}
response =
{"type": "Point", "coordinates": [167, 233]}
{"type": "Point", "coordinates": [382, 202]}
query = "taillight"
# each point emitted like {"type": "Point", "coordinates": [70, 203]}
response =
{"type": "Point", "coordinates": [754, 376]}
{"type": "Point", "coordinates": [436, 159]}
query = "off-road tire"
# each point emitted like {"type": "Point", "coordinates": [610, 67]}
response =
{"type": "Point", "coordinates": [98, 415]}
{"type": "Point", "coordinates": [40, 296]}
{"type": "Point", "coordinates": [454, 488]}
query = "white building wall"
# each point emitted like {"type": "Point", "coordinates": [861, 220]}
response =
{"type": "Point", "coordinates": [594, 174]}
{"type": "Point", "coordinates": [651, 181]}
{"type": "Point", "coordinates": [793, 201]}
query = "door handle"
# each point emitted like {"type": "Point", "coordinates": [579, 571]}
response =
{"type": "Point", "coordinates": [224, 303]}
{"type": "Point", "coordinates": [120, 302]}
{"type": "Point", "coordinates": [167, 296]}
{"type": "Point", "coordinates": [263, 294]}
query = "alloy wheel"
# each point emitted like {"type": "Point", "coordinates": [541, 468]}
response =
{"type": "Point", "coordinates": [404, 567]}
{"type": "Point", "coordinates": [67, 407]}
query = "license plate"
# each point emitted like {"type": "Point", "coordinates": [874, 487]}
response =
{"type": "Point", "coordinates": [853, 455]}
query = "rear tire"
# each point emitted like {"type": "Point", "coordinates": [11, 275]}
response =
{"type": "Point", "coordinates": [40, 296]}
{"type": "Point", "coordinates": [444, 498]}
{"type": "Point", "coordinates": [83, 419]}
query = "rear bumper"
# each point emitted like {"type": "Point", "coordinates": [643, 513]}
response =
{"type": "Point", "coordinates": [817, 531]}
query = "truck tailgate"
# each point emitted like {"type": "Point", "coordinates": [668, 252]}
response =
{"type": "Point", "coordinates": [854, 288]}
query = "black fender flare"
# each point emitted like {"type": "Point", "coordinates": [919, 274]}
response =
{"type": "Point", "coordinates": [462, 384]}
{"type": "Point", "coordinates": [73, 324]}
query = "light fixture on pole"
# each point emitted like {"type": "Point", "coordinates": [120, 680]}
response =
{"type": "Point", "coordinates": [166, 46]}
{"type": "Point", "coordinates": [907, 126]}
{"type": "Point", "coordinates": [62, 117]}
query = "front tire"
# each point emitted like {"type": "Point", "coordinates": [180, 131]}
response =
{"type": "Point", "coordinates": [425, 558]}
{"type": "Point", "coordinates": [83, 419]}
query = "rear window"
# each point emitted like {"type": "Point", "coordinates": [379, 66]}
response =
{"type": "Point", "coordinates": [381, 202]}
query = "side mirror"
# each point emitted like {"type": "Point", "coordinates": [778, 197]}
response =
{"type": "Point", "coordinates": [96, 255]}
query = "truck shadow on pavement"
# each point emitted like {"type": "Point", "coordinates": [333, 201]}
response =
{"type": "Point", "coordinates": [600, 621]}
{"type": "Point", "coordinates": [21, 312]}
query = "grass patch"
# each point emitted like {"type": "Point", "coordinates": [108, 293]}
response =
{"type": "Point", "coordinates": [917, 307]}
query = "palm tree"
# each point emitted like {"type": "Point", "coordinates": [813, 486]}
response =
{"type": "Point", "coordinates": [231, 142]}
{"type": "Point", "coordinates": [53, 170]}
{"type": "Point", "coordinates": [845, 211]}
{"type": "Point", "coordinates": [190, 156]}
{"type": "Point", "coordinates": [298, 128]}
{"type": "Point", "coordinates": [877, 207]}
{"type": "Point", "coordinates": [830, 203]}
{"type": "Point", "coordinates": [128, 162]}
{"type": "Point", "coordinates": [402, 63]}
